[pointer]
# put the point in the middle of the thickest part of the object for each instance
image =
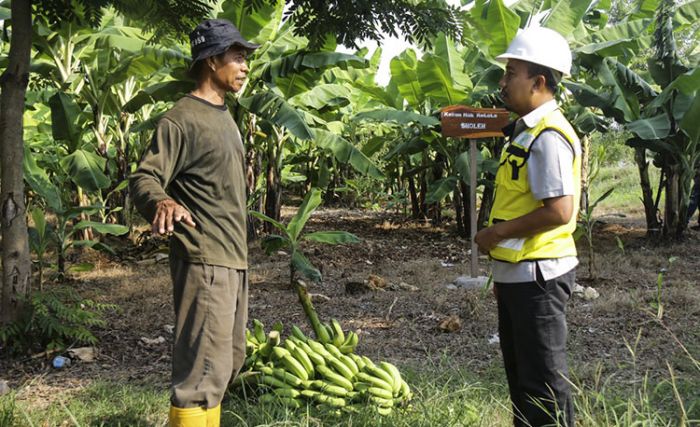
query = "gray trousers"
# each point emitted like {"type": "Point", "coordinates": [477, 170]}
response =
{"type": "Point", "coordinates": [532, 331]}
{"type": "Point", "coordinates": [211, 311]}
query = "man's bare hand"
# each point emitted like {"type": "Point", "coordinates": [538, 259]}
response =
{"type": "Point", "coordinates": [168, 212]}
{"type": "Point", "coordinates": [488, 238]}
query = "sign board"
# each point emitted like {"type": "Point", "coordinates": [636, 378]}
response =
{"type": "Point", "coordinates": [467, 122]}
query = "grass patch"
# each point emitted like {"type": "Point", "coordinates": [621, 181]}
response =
{"type": "Point", "coordinates": [445, 395]}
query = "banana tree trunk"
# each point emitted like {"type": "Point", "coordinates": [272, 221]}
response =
{"type": "Point", "coordinates": [585, 158]}
{"type": "Point", "coordinates": [415, 206]}
{"type": "Point", "coordinates": [650, 208]}
{"type": "Point", "coordinates": [671, 208]}
{"type": "Point", "coordinates": [457, 201]}
{"type": "Point", "coordinates": [273, 193]}
{"type": "Point", "coordinates": [486, 203]}
{"type": "Point", "coordinates": [466, 208]}
{"type": "Point", "coordinates": [435, 209]}
{"type": "Point", "coordinates": [16, 262]}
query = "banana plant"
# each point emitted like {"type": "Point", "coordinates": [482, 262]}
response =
{"type": "Point", "coordinates": [291, 237]}
{"type": "Point", "coordinates": [94, 73]}
{"type": "Point", "coordinates": [40, 237]}
{"type": "Point", "coordinates": [661, 121]}
{"type": "Point", "coordinates": [66, 216]}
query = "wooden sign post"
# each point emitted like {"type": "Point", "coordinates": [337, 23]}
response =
{"type": "Point", "coordinates": [465, 122]}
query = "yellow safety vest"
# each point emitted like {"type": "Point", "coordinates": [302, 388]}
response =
{"type": "Point", "coordinates": [514, 198]}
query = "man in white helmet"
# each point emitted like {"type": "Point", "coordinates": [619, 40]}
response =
{"type": "Point", "coordinates": [529, 237]}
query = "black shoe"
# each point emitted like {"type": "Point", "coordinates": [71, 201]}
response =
{"type": "Point", "coordinates": [695, 227]}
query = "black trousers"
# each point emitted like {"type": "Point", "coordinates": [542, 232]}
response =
{"type": "Point", "coordinates": [532, 330]}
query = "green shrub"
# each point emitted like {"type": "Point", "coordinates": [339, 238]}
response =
{"type": "Point", "coordinates": [53, 320]}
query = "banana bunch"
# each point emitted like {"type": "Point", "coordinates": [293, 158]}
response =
{"type": "Point", "coordinates": [333, 333]}
{"type": "Point", "coordinates": [300, 371]}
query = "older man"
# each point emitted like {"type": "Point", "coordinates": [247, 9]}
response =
{"type": "Point", "coordinates": [191, 185]}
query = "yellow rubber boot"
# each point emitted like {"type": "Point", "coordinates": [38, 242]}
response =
{"type": "Point", "coordinates": [214, 416]}
{"type": "Point", "coordinates": [188, 417]}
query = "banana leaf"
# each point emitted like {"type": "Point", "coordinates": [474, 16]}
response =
{"type": "Point", "coordinates": [321, 96]}
{"type": "Point", "coordinates": [39, 181]}
{"type": "Point", "coordinates": [257, 25]}
{"type": "Point", "coordinates": [398, 116]}
{"type": "Point", "coordinates": [332, 237]}
{"type": "Point", "coordinates": [691, 122]}
{"type": "Point", "coordinates": [496, 25]}
{"type": "Point", "coordinates": [160, 92]}
{"type": "Point", "coordinates": [311, 201]}
{"type": "Point", "coordinates": [404, 74]}
{"type": "Point", "coordinates": [266, 218]}
{"type": "Point", "coordinates": [86, 170]}
{"type": "Point", "coordinates": [67, 120]}
{"type": "Point", "coordinates": [566, 15]}
{"type": "Point", "coordinates": [441, 188]}
{"type": "Point", "coordinates": [276, 109]}
{"type": "Point", "coordinates": [345, 152]}
{"type": "Point", "coordinates": [300, 61]}
{"type": "Point", "coordinates": [273, 242]}
{"type": "Point", "coordinates": [658, 127]}
{"type": "Point", "coordinates": [438, 84]}
{"type": "Point", "coordinates": [102, 228]}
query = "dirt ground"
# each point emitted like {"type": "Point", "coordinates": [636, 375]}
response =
{"type": "Point", "coordinates": [399, 322]}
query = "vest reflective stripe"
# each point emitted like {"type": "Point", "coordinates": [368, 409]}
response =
{"type": "Point", "coordinates": [513, 197]}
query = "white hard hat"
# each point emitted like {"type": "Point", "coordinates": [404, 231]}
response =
{"type": "Point", "coordinates": [541, 46]}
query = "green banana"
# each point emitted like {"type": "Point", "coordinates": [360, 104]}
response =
{"type": "Point", "coordinates": [274, 382]}
{"type": "Point", "coordinates": [358, 361]}
{"type": "Point", "coordinates": [297, 333]}
{"type": "Point", "coordinates": [287, 377]}
{"type": "Point", "coordinates": [381, 410]}
{"type": "Point", "coordinates": [259, 331]}
{"type": "Point", "coordinates": [319, 348]}
{"type": "Point", "coordinates": [267, 398]}
{"type": "Point", "coordinates": [295, 367]}
{"type": "Point", "coordinates": [375, 381]}
{"type": "Point", "coordinates": [266, 349]}
{"type": "Point", "coordinates": [380, 373]}
{"type": "Point", "coordinates": [309, 393]}
{"type": "Point", "coordinates": [361, 386]}
{"type": "Point", "coordinates": [336, 379]}
{"type": "Point", "coordinates": [338, 334]}
{"type": "Point", "coordinates": [280, 352]}
{"type": "Point", "coordinates": [381, 392]}
{"type": "Point", "coordinates": [335, 390]}
{"type": "Point", "coordinates": [381, 401]}
{"type": "Point", "coordinates": [350, 364]}
{"type": "Point", "coordinates": [322, 333]}
{"type": "Point", "coordinates": [286, 392]}
{"type": "Point", "coordinates": [368, 361]}
{"type": "Point", "coordinates": [251, 338]}
{"type": "Point", "coordinates": [267, 370]}
{"type": "Point", "coordinates": [350, 343]}
{"type": "Point", "coordinates": [333, 350]}
{"type": "Point", "coordinates": [341, 368]}
{"type": "Point", "coordinates": [395, 375]}
{"type": "Point", "coordinates": [303, 358]}
{"type": "Point", "coordinates": [331, 332]}
{"type": "Point", "coordinates": [316, 358]}
{"type": "Point", "coordinates": [405, 392]}
{"type": "Point", "coordinates": [337, 402]}
{"type": "Point", "coordinates": [273, 337]}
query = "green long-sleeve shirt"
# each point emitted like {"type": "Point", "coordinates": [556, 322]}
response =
{"type": "Point", "coordinates": [197, 159]}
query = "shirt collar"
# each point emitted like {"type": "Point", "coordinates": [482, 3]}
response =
{"type": "Point", "coordinates": [533, 117]}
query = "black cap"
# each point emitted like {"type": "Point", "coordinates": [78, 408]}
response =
{"type": "Point", "coordinates": [215, 36]}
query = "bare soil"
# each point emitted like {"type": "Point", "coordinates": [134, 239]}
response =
{"type": "Point", "coordinates": [397, 322]}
